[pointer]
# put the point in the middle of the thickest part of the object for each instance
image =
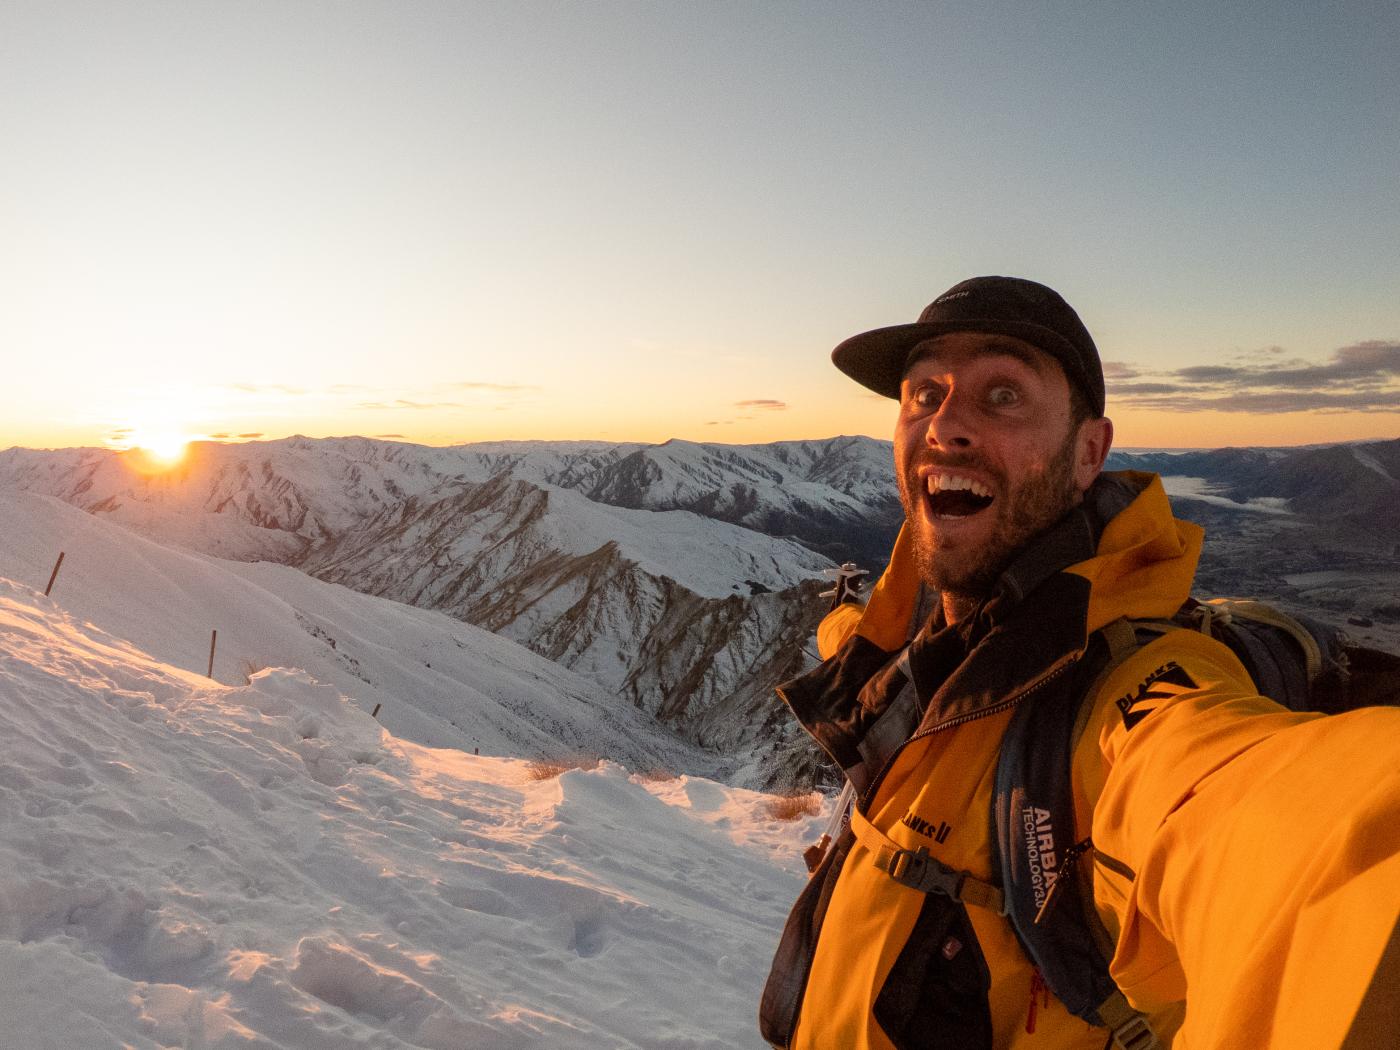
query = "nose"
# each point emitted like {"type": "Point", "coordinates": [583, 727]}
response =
{"type": "Point", "coordinates": [951, 427]}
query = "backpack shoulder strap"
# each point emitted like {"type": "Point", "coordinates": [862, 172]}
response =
{"type": "Point", "coordinates": [1033, 816]}
{"type": "Point", "coordinates": [1122, 638]}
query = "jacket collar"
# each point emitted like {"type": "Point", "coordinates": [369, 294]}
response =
{"type": "Point", "coordinates": [1120, 553]}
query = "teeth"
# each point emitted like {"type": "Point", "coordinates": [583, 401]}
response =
{"type": "Point", "coordinates": [955, 483]}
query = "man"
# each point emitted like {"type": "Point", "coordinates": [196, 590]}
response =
{"type": "Point", "coordinates": [1242, 860]}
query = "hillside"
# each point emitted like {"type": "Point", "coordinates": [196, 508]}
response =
{"type": "Point", "coordinates": [1311, 529]}
{"type": "Point", "coordinates": [441, 682]}
{"type": "Point", "coordinates": [184, 863]}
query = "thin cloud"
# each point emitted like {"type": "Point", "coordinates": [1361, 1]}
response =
{"type": "Point", "coordinates": [1119, 370]}
{"type": "Point", "coordinates": [762, 402]}
{"type": "Point", "coordinates": [492, 388]}
{"type": "Point", "coordinates": [1362, 377]}
{"type": "Point", "coordinates": [268, 388]}
{"type": "Point", "coordinates": [401, 403]}
{"type": "Point", "coordinates": [1209, 373]}
{"type": "Point", "coordinates": [254, 434]}
{"type": "Point", "coordinates": [399, 436]}
{"type": "Point", "coordinates": [1263, 353]}
{"type": "Point", "coordinates": [1122, 390]}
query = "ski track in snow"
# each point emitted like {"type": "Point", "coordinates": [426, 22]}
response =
{"type": "Point", "coordinates": [210, 867]}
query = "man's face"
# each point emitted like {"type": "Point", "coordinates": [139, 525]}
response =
{"type": "Point", "coordinates": [986, 455]}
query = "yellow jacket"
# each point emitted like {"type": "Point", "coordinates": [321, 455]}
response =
{"type": "Point", "coordinates": [1246, 862]}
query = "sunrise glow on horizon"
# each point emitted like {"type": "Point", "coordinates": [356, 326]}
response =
{"type": "Point", "coordinates": [455, 222]}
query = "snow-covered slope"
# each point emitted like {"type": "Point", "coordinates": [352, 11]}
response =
{"type": "Point", "coordinates": [187, 864]}
{"type": "Point", "coordinates": [441, 682]}
{"type": "Point", "coordinates": [686, 616]}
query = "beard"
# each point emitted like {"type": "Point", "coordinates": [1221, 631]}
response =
{"type": "Point", "coordinates": [1028, 506]}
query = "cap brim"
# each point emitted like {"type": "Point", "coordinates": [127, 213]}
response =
{"type": "Point", "coordinates": [876, 359]}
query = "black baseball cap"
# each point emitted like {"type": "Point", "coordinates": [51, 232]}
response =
{"type": "Point", "coordinates": [999, 305]}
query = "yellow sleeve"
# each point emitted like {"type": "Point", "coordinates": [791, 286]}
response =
{"type": "Point", "coordinates": [1247, 857]}
{"type": "Point", "coordinates": [836, 627]}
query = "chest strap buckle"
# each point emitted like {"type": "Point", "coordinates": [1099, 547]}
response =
{"type": "Point", "coordinates": [927, 874]}
{"type": "Point", "coordinates": [1131, 1030]}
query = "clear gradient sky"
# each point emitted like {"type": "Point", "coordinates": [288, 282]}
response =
{"type": "Point", "coordinates": [634, 221]}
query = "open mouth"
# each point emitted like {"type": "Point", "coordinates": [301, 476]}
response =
{"type": "Point", "coordinates": [953, 496]}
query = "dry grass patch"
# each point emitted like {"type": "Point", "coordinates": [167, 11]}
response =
{"type": "Point", "coordinates": [794, 806]}
{"type": "Point", "coordinates": [549, 768]}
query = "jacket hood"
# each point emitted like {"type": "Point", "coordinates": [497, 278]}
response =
{"type": "Point", "coordinates": [1146, 558]}
{"type": "Point", "coordinates": [1142, 564]}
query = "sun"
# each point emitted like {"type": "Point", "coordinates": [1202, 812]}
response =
{"type": "Point", "coordinates": [161, 444]}
{"type": "Point", "coordinates": [166, 449]}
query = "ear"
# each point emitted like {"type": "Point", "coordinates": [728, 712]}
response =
{"type": "Point", "coordinates": [1092, 443]}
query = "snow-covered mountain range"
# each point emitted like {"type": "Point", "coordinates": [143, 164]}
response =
{"type": "Point", "coordinates": [637, 567]}
{"type": "Point", "coordinates": [681, 577]}
{"type": "Point", "coordinates": [1354, 485]}
{"type": "Point", "coordinates": [1310, 529]}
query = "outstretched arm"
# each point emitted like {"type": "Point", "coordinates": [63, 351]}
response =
{"type": "Point", "coordinates": [1248, 857]}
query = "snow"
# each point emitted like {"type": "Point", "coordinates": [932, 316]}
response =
{"type": "Point", "coordinates": [275, 500]}
{"type": "Point", "coordinates": [705, 556]}
{"type": "Point", "coordinates": [193, 864]}
{"type": "Point", "coordinates": [840, 475]}
{"type": "Point", "coordinates": [441, 682]}
{"type": "Point", "coordinates": [1343, 579]}
{"type": "Point", "coordinates": [1203, 490]}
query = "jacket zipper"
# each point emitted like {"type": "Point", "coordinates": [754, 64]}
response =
{"type": "Point", "coordinates": [869, 794]}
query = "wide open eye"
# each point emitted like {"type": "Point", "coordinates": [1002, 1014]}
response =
{"type": "Point", "coordinates": [926, 396]}
{"type": "Point", "coordinates": [1003, 396]}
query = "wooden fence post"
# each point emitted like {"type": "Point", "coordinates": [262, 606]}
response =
{"type": "Point", "coordinates": [53, 575]}
{"type": "Point", "coordinates": [213, 640]}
